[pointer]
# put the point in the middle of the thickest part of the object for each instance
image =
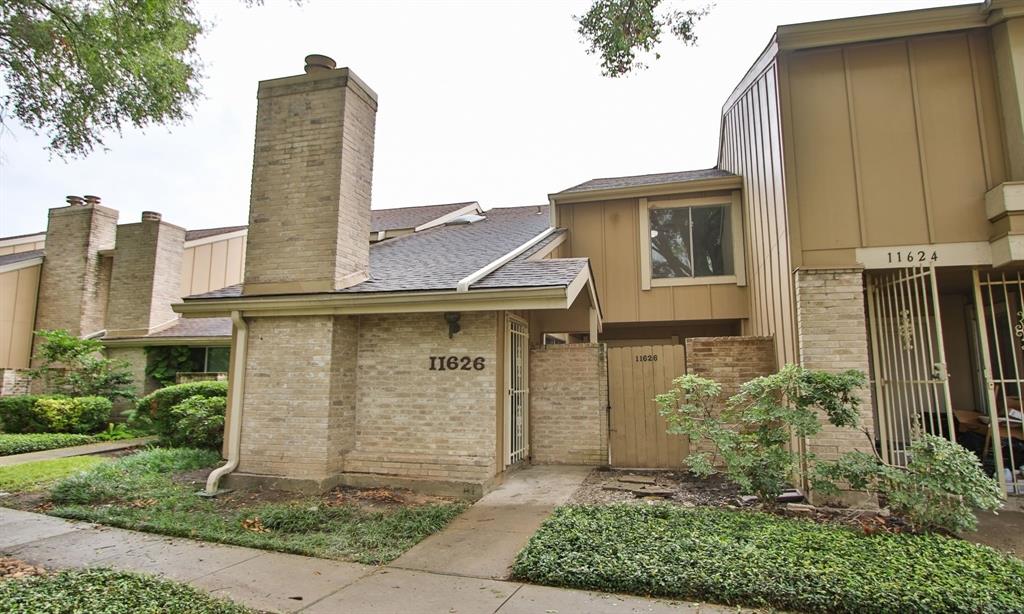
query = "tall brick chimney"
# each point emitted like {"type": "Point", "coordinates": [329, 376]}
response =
{"type": "Point", "coordinates": [146, 276]}
{"type": "Point", "coordinates": [75, 279]}
{"type": "Point", "coordinates": [309, 208]}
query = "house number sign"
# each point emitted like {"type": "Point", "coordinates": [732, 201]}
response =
{"type": "Point", "coordinates": [457, 363]}
{"type": "Point", "coordinates": [937, 254]}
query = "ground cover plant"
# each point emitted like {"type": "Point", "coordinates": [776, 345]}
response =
{"type": "Point", "coordinates": [21, 443]}
{"type": "Point", "coordinates": [152, 491]}
{"type": "Point", "coordinates": [29, 477]}
{"type": "Point", "coordinates": [104, 591]}
{"type": "Point", "coordinates": [762, 560]}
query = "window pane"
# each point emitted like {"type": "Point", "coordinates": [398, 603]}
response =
{"type": "Point", "coordinates": [712, 241]}
{"type": "Point", "coordinates": [217, 360]}
{"type": "Point", "coordinates": [670, 243]}
{"type": "Point", "coordinates": [196, 359]}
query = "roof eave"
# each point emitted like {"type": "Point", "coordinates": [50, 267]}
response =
{"type": "Point", "coordinates": [213, 340]}
{"type": "Point", "coordinates": [488, 299]}
{"type": "Point", "coordinates": [658, 189]}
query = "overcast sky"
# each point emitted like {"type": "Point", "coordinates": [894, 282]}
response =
{"type": "Point", "coordinates": [488, 101]}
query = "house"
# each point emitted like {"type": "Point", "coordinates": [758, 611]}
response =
{"type": "Point", "coordinates": [865, 213]}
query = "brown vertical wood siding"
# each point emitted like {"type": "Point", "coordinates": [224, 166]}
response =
{"type": "Point", "coordinates": [608, 232]}
{"type": "Point", "coordinates": [752, 148]}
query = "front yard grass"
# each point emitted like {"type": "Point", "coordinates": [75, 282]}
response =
{"type": "Point", "coordinates": [142, 492]}
{"type": "Point", "coordinates": [760, 560]}
{"type": "Point", "coordinates": [28, 477]}
{"type": "Point", "coordinates": [103, 591]}
{"type": "Point", "coordinates": [21, 443]}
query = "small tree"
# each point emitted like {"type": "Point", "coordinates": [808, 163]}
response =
{"type": "Point", "coordinates": [76, 367]}
{"type": "Point", "coordinates": [750, 435]}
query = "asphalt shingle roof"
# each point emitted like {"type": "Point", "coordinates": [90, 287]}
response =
{"type": "Point", "coordinates": [202, 233]}
{"type": "Point", "coordinates": [20, 257]}
{"type": "Point", "coordinates": [195, 327]}
{"type": "Point", "coordinates": [437, 258]}
{"type": "Point", "coordinates": [633, 181]}
{"type": "Point", "coordinates": [410, 217]}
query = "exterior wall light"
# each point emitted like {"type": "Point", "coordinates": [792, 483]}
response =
{"type": "Point", "coordinates": [452, 318]}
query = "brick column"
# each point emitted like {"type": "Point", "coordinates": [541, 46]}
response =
{"type": "Point", "coordinates": [833, 336]}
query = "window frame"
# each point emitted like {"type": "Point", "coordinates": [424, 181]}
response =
{"type": "Point", "coordinates": [732, 200]}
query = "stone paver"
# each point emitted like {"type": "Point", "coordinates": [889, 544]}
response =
{"type": "Point", "coordinates": [484, 540]}
{"type": "Point", "coordinates": [89, 448]}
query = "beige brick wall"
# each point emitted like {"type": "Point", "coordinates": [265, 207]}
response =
{"type": "Point", "coordinates": [136, 359]}
{"type": "Point", "coordinates": [146, 277]}
{"type": "Point", "coordinates": [72, 294]}
{"type": "Point", "coordinates": [14, 382]}
{"type": "Point", "coordinates": [730, 361]}
{"type": "Point", "coordinates": [569, 404]}
{"type": "Point", "coordinates": [414, 422]}
{"type": "Point", "coordinates": [833, 336]}
{"type": "Point", "coordinates": [309, 212]}
{"type": "Point", "coordinates": [329, 394]}
{"type": "Point", "coordinates": [286, 422]}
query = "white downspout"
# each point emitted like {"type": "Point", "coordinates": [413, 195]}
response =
{"type": "Point", "coordinates": [237, 384]}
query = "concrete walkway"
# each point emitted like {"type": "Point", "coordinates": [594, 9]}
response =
{"type": "Point", "coordinates": [89, 448]}
{"type": "Point", "coordinates": [484, 540]}
{"type": "Point", "coordinates": [288, 583]}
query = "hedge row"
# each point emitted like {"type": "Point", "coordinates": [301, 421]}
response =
{"type": "Point", "coordinates": [190, 415]}
{"type": "Point", "coordinates": [53, 414]}
{"type": "Point", "coordinates": [759, 560]}
{"type": "Point", "coordinates": [34, 442]}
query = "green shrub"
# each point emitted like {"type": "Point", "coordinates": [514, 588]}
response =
{"type": "Point", "coordinates": [18, 414]}
{"type": "Point", "coordinates": [116, 431]}
{"type": "Point", "coordinates": [198, 422]}
{"type": "Point", "coordinates": [22, 443]}
{"type": "Point", "coordinates": [128, 476]}
{"type": "Point", "coordinates": [153, 412]}
{"type": "Point", "coordinates": [751, 435]}
{"type": "Point", "coordinates": [77, 367]}
{"type": "Point", "coordinates": [941, 487]}
{"type": "Point", "coordinates": [55, 414]}
{"type": "Point", "coordinates": [762, 560]}
{"type": "Point", "coordinates": [105, 591]}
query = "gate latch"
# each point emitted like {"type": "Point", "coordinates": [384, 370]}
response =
{"type": "Point", "coordinates": [939, 371]}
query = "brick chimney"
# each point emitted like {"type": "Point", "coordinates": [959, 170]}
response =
{"type": "Point", "coordinates": [146, 276]}
{"type": "Point", "coordinates": [75, 277]}
{"type": "Point", "coordinates": [309, 208]}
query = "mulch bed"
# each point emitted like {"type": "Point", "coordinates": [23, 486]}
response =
{"type": "Point", "coordinates": [11, 568]}
{"type": "Point", "coordinates": [683, 489]}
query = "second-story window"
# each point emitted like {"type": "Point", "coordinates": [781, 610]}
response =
{"type": "Point", "coordinates": [689, 242]}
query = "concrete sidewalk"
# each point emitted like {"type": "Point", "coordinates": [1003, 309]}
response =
{"type": "Point", "coordinates": [289, 583]}
{"type": "Point", "coordinates": [89, 448]}
{"type": "Point", "coordinates": [484, 540]}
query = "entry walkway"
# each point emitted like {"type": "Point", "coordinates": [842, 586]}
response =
{"type": "Point", "coordinates": [289, 583]}
{"type": "Point", "coordinates": [484, 540]}
{"type": "Point", "coordinates": [89, 448]}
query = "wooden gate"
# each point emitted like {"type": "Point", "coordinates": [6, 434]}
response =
{"type": "Point", "coordinates": [638, 435]}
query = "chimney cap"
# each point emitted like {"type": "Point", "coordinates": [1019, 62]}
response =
{"type": "Point", "coordinates": [316, 62]}
{"type": "Point", "coordinates": [73, 200]}
{"type": "Point", "coordinates": [151, 216]}
{"type": "Point", "coordinates": [91, 199]}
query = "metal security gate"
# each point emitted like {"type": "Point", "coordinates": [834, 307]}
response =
{"type": "Point", "coordinates": [638, 436]}
{"type": "Point", "coordinates": [517, 387]}
{"type": "Point", "coordinates": [908, 359]}
{"type": "Point", "coordinates": [999, 304]}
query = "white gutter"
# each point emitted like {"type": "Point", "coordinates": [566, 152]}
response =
{"type": "Point", "coordinates": [234, 417]}
{"type": "Point", "coordinates": [479, 274]}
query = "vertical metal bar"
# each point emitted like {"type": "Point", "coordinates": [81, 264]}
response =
{"type": "Point", "coordinates": [908, 354]}
{"type": "Point", "coordinates": [922, 375]}
{"type": "Point", "coordinates": [1016, 369]}
{"type": "Point", "coordinates": [979, 308]}
{"type": "Point", "coordinates": [898, 378]}
{"type": "Point", "coordinates": [881, 406]}
{"type": "Point", "coordinates": [941, 345]}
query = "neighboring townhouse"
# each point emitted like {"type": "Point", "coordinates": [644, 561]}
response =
{"type": "Point", "coordinates": [865, 213]}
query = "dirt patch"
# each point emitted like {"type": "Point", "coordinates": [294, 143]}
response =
{"type": "Point", "coordinates": [366, 498]}
{"type": "Point", "coordinates": [11, 568]}
{"type": "Point", "coordinates": [681, 488]}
